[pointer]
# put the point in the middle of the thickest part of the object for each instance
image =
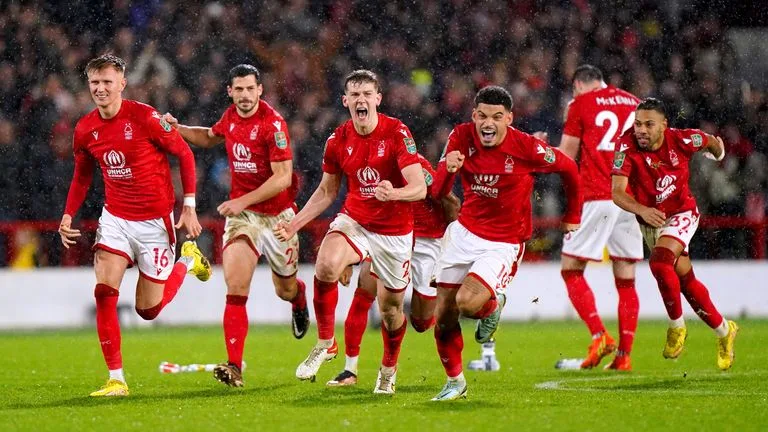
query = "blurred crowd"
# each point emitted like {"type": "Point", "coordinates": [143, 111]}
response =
{"type": "Point", "coordinates": [432, 56]}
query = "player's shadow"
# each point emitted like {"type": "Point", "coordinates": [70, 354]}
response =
{"type": "Point", "coordinates": [219, 393]}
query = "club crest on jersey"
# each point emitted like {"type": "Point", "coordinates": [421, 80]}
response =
{"type": "Point", "coordinates": [410, 145]}
{"type": "Point", "coordinates": [618, 159]}
{"type": "Point", "coordinates": [427, 177]}
{"type": "Point", "coordinates": [673, 158]}
{"type": "Point", "coordinates": [381, 149]}
{"type": "Point", "coordinates": [115, 162]}
{"type": "Point", "coordinates": [242, 162]}
{"type": "Point", "coordinates": [549, 155]}
{"type": "Point", "coordinates": [697, 139]}
{"type": "Point", "coordinates": [128, 131]}
{"type": "Point", "coordinates": [509, 164]}
{"type": "Point", "coordinates": [484, 185]}
{"type": "Point", "coordinates": [369, 178]}
{"type": "Point", "coordinates": [280, 140]}
{"type": "Point", "coordinates": [165, 125]}
{"type": "Point", "coordinates": [254, 133]}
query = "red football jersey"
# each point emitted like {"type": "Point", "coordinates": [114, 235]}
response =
{"type": "Point", "coordinates": [598, 119]}
{"type": "Point", "coordinates": [659, 178]}
{"type": "Point", "coordinates": [130, 149]}
{"type": "Point", "coordinates": [366, 160]}
{"type": "Point", "coordinates": [428, 217]}
{"type": "Point", "coordinates": [252, 143]}
{"type": "Point", "coordinates": [498, 182]}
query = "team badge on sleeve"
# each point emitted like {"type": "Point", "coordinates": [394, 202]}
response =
{"type": "Point", "coordinates": [410, 145]}
{"type": "Point", "coordinates": [618, 160]}
{"type": "Point", "coordinates": [549, 155]}
{"type": "Point", "coordinates": [165, 125]}
{"type": "Point", "coordinates": [698, 141]}
{"type": "Point", "coordinates": [280, 140]}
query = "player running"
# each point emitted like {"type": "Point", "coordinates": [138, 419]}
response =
{"type": "Point", "coordinates": [596, 118]}
{"type": "Point", "coordinates": [650, 179]}
{"type": "Point", "coordinates": [377, 155]}
{"type": "Point", "coordinates": [130, 142]}
{"type": "Point", "coordinates": [483, 248]}
{"type": "Point", "coordinates": [431, 216]}
{"type": "Point", "coordinates": [262, 194]}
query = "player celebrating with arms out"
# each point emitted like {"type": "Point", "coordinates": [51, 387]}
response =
{"type": "Point", "coordinates": [592, 127]}
{"type": "Point", "coordinates": [652, 164]}
{"type": "Point", "coordinates": [129, 140]}
{"type": "Point", "coordinates": [483, 248]}
{"type": "Point", "coordinates": [377, 155]}
{"type": "Point", "coordinates": [261, 168]}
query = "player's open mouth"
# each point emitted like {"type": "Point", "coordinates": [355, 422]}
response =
{"type": "Point", "coordinates": [488, 135]}
{"type": "Point", "coordinates": [362, 113]}
{"type": "Point", "coordinates": [643, 141]}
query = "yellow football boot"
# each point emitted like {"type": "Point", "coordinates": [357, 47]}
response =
{"type": "Point", "coordinates": [113, 387]}
{"type": "Point", "coordinates": [201, 267]}
{"type": "Point", "coordinates": [725, 353]}
{"type": "Point", "coordinates": [675, 341]}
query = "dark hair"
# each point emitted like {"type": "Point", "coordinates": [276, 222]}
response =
{"type": "Point", "coordinates": [494, 95]}
{"type": "Point", "coordinates": [105, 60]}
{"type": "Point", "coordinates": [361, 76]}
{"type": "Point", "coordinates": [243, 70]}
{"type": "Point", "coordinates": [587, 73]}
{"type": "Point", "coordinates": [653, 104]}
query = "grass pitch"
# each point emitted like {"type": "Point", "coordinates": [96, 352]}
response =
{"type": "Point", "coordinates": [45, 379]}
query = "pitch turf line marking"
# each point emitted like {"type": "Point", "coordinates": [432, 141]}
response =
{"type": "Point", "coordinates": [561, 385]}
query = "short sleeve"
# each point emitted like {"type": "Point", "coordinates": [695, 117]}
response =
{"type": "Point", "coordinates": [331, 163]}
{"type": "Point", "coordinates": [218, 129]}
{"type": "Point", "coordinates": [691, 140]}
{"type": "Point", "coordinates": [278, 140]}
{"type": "Point", "coordinates": [573, 125]}
{"type": "Point", "coordinates": [405, 147]}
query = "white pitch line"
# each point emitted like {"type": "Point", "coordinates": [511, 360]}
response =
{"type": "Point", "coordinates": [561, 385]}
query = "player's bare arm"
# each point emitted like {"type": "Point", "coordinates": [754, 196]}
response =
{"type": "Point", "coordinates": [569, 145]}
{"type": "Point", "coordinates": [414, 190]}
{"type": "Point", "coordinates": [280, 180]}
{"type": "Point", "coordinates": [451, 206]}
{"type": "Point", "coordinates": [324, 196]}
{"type": "Point", "coordinates": [198, 136]}
{"type": "Point", "coordinates": [621, 198]}
{"type": "Point", "coordinates": [715, 148]}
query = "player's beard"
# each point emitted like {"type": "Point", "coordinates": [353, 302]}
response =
{"type": "Point", "coordinates": [250, 105]}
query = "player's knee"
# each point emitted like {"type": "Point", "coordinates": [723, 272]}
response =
{"type": "Point", "coordinates": [150, 313]}
{"type": "Point", "coordinates": [662, 262]}
{"type": "Point", "coordinates": [327, 269]}
{"type": "Point", "coordinates": [422, 324]}
{"type": "Point", "coordinates": [467, 303]}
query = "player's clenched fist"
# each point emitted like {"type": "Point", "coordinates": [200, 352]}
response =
{"type": "Point", "coordinates": [173, 121]}
{"type": "Point", "coordinates": [385, 191]}
{"type": "Point", "coordinates": [283, 231]}
{"type": "Point", "coordinates": [66, 231]}
{"type": "Point", "coordinates": [454, 161]}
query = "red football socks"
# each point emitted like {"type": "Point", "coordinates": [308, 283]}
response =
{"type": "Point", "coordinates": [326, 297]}
{"type": "Point", "coordinates": [393, 339]}
{"type": "Point", "coordinates": [583, 300]}
{"type": "Point", "coordinates": [107, 325]}
{"type": "Point", "coordinates": [628, 310]}
{"type": "Point", "coordinates": [300, 301]}
{"type": "Point", "coordinates": [235, 328]}
{"type": "Point", "coordinates": [662, 265]}
{"type": "Point", "coordinates": [450, 344]}
{"type": "Point", "coordinates": [698, 297]}
{"type": "Point", "coordinates": [356, 322]}
{"type": "Point", "coordinates": [486, 309]}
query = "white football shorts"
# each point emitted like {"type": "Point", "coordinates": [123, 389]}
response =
{"type": "Point", "coordinates": [605, 225]}
{"type": "Point", "coordinates": [681, 227]}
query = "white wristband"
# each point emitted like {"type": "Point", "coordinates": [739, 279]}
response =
{"type": "Point", "coordinates": [709, 155]}
{"type": "Point", "coordinates": [189, 201]}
